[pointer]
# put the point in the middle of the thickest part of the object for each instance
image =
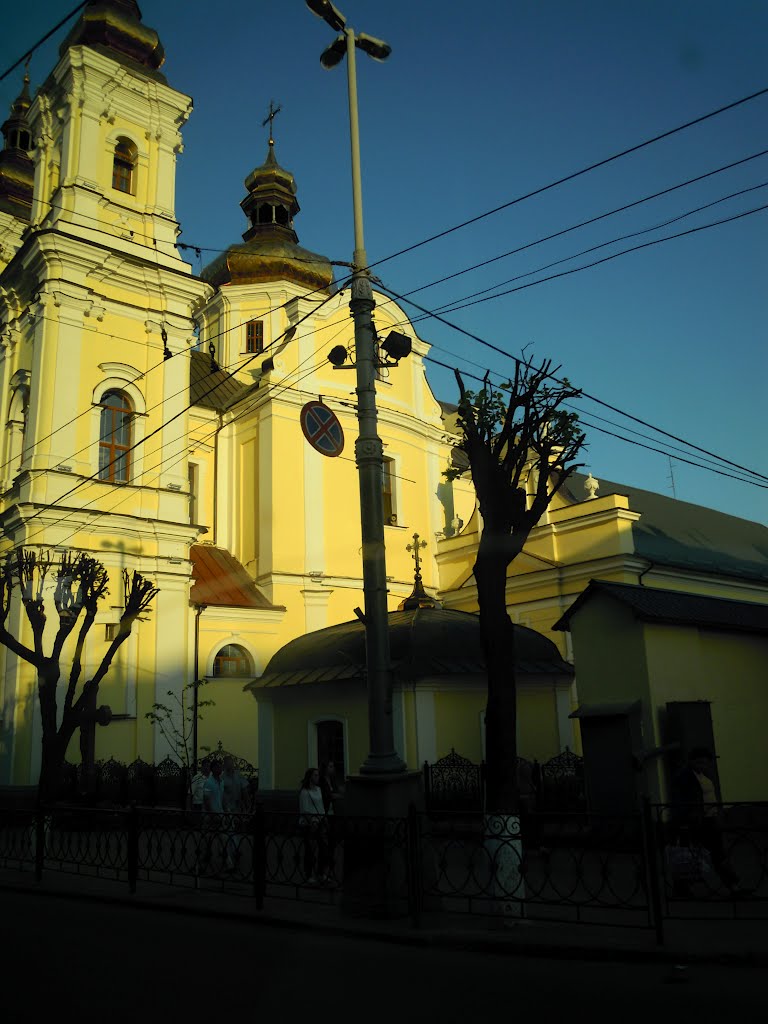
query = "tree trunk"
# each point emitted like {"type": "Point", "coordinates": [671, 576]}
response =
{"type": "Point", "coordinates": [498, 636]}
{"type": "Point", "coordinates": [502, 840]}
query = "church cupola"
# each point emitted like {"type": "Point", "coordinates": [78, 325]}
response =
{"type": "Point", "coordinates": [271, 202]}
{"type": "Point", "coordinates": [116, 26]}
{"type": "Point", "coordinates": [17, 173]}
{"type": "Point", "coordinates": [270, 251]}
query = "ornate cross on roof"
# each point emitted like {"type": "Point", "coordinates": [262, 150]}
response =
{"type": "Point", "coordinates": [417, 544]}
{"type": "Point", "coordinates": [273, 112]}
{"type": "Point", "coordinates": [419, 598]}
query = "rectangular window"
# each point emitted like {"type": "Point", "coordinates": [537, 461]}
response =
{"type": "Point", "coordinates": [110, 631]}
{"type": "Point", "coordinates": [388, 492]}
{"type": "Point", "coordinates": [254, 336]}
{"type": "Point", "coordinates": [193, 472]}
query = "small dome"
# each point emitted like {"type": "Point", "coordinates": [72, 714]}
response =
{"type": "Point", "coordinates": [423, 642]}
{"type": "Point", "coordinates": [270, 250]}
{"type": "Point", "coordinates": [17, 171]}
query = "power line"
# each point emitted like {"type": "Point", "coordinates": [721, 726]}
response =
{"type": "Point", "coordinates": [40, 42]}
{"type": "Point", "coordinates": [573, 175]}
{"type": "Point", "coordinates": [584, 394]}
{"type": "Point", "coordinates": [585, 223]}
{"type": "Point", "coordinates": [462, 303]}
{"type": "Point", "coordinates": [620, 437]}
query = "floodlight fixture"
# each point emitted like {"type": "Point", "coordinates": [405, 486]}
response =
{"type": "Point", "coordinates": [338, 355]}
{"type": "Point", "coordinates": [374, 47]}
{"type": "Point", "coordinates": [334, 54]}
{"type": "Point", "coordinates": [332, 15]}
{"type": "Point", "coordinates": [396, 345]}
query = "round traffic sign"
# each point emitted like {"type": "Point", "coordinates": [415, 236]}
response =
{"type": "Point", "coordinates": [322, 429]}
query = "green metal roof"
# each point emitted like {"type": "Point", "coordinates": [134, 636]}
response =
{"type": "Point", "coordinates": [424, 642]}
{"type": "Point", "coordinates": [682, 535]}
{"type": "Point", "coordinates": [650, 604]}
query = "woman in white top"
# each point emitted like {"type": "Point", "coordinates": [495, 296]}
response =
{"type": "Point", "coordinates": [314, 825]}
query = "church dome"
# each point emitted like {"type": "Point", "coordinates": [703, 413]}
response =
{"type": "Point", "coordinates": [423, 642]}
{"type": "Point", "coordinates": [270, 250]}
{"type": "Point", "coordinates": [17, 171]}
{"type": "Point", "coordinates": [116, 25]}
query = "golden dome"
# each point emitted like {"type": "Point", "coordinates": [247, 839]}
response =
{"type": "Point", "coordinates": [116, 24]}
{"type": "Point", "coordinates": [270, 250]}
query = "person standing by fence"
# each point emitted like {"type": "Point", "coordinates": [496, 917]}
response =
{"type": "Point", "coordinates": [697, 815]}
{"type": "Point", "coordinates": [198, 784]}
{"type": "Point", "coordinates": [213, 805]}
{"type": "Point", "coordinates": [235, 801]}
{"type": "Point", "coordinates": [314, 824]}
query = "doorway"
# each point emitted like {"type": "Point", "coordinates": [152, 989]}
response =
{"type": "Point", "coordinates": [330, 744]}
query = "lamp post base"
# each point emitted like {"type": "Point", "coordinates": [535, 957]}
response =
{"type": "Point", "coordinates": [377, 844]}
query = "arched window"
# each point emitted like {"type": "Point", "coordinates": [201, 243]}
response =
{"type": "Point", "coordinates": [115, 437]}
{"type": "Point", "coordinates": [124, 167]}
{"type": "Point", "coordinates": [232, 660]}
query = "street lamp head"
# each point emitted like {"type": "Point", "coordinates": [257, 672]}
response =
{"type": "Point", "coordinates": [374, 47]}
{"type": "Point", "coordinates": [334, 54]}
{"type": "Point", "coordinates": [324, 9]}
{"type": "Point", "coordinates": [396, 345]}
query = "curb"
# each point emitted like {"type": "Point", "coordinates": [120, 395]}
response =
{"type": "Point", "coordinates": [503, 943]}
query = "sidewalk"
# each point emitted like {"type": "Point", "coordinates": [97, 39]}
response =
{"type": "Point", "coordinates": [735, 943]}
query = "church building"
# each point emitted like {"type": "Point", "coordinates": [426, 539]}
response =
{"type": "Point", "coordinates": [152, 419]}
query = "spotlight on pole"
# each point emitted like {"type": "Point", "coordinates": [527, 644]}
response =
{"type": "Point", "coordinates": [332, 15]}
{"type": "Point", "coordinates": [338, 355]}
{"type": "Point", "coordinates": [334, 54]}
{"type": "Point", "coordinates": [396, 345]}
{"type": "Point", "coordinates": [374, 47]}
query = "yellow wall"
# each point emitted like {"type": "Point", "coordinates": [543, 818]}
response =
{"type": "Point", "coordinates": [457, 723]}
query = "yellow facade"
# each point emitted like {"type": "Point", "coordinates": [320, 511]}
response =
{"type": "Point", "coordinates": [93, 301]}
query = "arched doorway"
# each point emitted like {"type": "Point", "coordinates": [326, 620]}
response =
{"type": "Point", "coordinates": [330, 744]}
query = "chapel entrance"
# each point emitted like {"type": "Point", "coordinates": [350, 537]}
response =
{"type": "Point", "coordinates": [330, 744]}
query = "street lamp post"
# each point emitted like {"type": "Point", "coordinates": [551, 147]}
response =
{"type": "Point", "coordinates": [382, 758]}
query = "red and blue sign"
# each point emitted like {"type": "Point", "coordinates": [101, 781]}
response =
{"type": "Point", "coordinates": [322, 429]}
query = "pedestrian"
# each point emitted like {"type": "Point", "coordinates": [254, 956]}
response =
{"type": "Point", "coordinates": [313, 823]}
{"type": "Point", "coordinates": [213, 807]}
{"type": "Point", "coordinates": [332, 793]}
{"type": "Point", "coordinates": [235, 801]}
{"type": "Point", "coordinates": [198, 783]}
{"type": "Point", "coordinates": [697, 816]}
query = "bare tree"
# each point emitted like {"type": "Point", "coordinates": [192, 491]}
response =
{"type": "Point", "coordinates": [520, 445]}
{"type": "Point", "coordinates": [81, 582]}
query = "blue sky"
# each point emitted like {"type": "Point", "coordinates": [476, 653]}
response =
{"type": "Point", "coordinates": [482, 103]}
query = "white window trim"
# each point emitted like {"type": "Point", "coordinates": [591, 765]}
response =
{"type": "Point", "coordinates": [137, 426]}
{"type": "Point", "coordinates": [236, 641]}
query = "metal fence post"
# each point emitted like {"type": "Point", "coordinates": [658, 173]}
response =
{"type": "Point", "coordinates": [413, 865]}
{"type": "Point", "coordinates": [39, 843]}
{"type": "Point", "coordinates": [259, 855]}
{"type": "Point", "coordinates": [652, 868]}
{"type": "Point", "coordinates": [133, 847]}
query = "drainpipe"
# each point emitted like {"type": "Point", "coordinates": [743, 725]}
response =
{"type": "Point", "coordinates": [216, 474]}
{"type": "Point", "coordinates": [200, 609]}
{"type": "Point", "coordinates": [645, 570]}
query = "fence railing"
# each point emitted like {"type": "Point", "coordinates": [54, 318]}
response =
{"type": "Point", "coordinates": [165, 784]}
{"type": "Point", "coordinates": [456, 784]}
{"type": "Point", "coordinates": [552, 866]}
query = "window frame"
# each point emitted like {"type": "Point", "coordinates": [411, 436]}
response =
{"type": "Point", "coordinates": [254, 337]}
{"type": "Point", "coordinates": [244, 660]}
{"type": "Point", "coordinates": [389, 491]}
{"type": "Point", "coordinates": [124, 163]}
{"type": "Point", "coordinates": [108, 473]}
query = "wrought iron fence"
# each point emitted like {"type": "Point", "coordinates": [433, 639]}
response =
{"type": "Point", "coordinates": [456, 784]}
{"type": "Point", "coordinates": [165, 784]}
{"type": "Point", "coordinates": [586, 868]}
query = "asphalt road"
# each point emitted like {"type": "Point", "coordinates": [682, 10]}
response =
{"type": "Point", "coordinates": [100, 962]}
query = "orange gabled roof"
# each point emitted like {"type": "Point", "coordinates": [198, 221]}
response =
{"type": "Point", "coordinates": [219, 579]}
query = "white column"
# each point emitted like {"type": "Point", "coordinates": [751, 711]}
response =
{"type": "Point", "coordinates": [266, 745]}
{"type": "Point", "coordinates": [315, 609]}
{"type": "Point", "coordinates": [426, 735]}
{"type": "Point", "coordinates": [171, 609]}
{"type": "Point", "coordinates": [564, 723]}
{"type": "Point", "coordinates": [398, 723]}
